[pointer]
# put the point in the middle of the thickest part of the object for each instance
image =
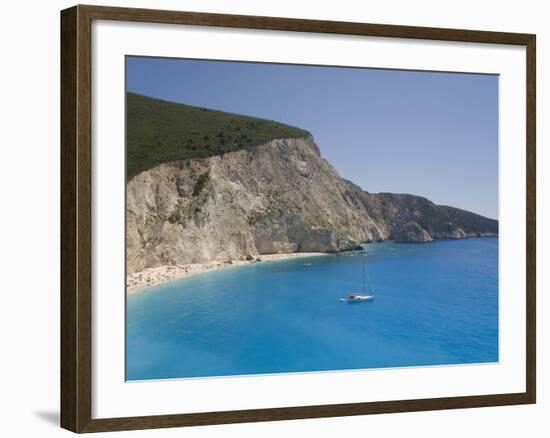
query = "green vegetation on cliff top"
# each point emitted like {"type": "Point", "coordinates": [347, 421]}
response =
{"type": "Point", "coordinates": [159, 131]}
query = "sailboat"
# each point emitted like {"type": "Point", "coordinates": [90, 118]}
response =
{"type": "Point", "coordinates": [363, 296]}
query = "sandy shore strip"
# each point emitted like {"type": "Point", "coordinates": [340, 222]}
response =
{"type": "Point", "coordinates": [139, 281]}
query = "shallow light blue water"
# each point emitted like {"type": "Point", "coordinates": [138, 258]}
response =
{"type": "Point", "coordinates": [435, 304]}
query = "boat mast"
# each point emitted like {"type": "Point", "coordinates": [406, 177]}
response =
{"type": "Point", "coordinates": [364, 285]}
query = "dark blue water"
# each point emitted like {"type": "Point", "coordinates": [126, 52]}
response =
{"type": "Point", "coordinates": [435, 304]}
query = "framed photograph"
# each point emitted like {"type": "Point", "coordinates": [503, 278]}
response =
{"type": "Point", "coordinates": [270, 218]}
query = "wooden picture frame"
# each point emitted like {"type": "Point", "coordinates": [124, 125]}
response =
{"type": "Point", "coordinates": [76, 217]}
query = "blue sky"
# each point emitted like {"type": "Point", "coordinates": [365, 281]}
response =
{"type": "Point", "coordinates": [425, 133]}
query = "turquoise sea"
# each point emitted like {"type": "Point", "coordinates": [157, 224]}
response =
{"type": "Point", "coordinates": [435, 304]}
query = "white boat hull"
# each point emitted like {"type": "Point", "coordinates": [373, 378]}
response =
{"type": "Point", "coordinates": [358, 298]}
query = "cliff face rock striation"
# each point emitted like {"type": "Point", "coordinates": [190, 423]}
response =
{"type": "Point", "coordinates": [240, 201]}
{"type": "Point", "coordinates": [278, 197]}
{"type": "Point", "coordinates": [412, 232]}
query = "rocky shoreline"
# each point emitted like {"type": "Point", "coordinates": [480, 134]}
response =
{"type": "Point", "coordinates": [142, 280]}
{"type": "Point", "coordinates": [279, 198]}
